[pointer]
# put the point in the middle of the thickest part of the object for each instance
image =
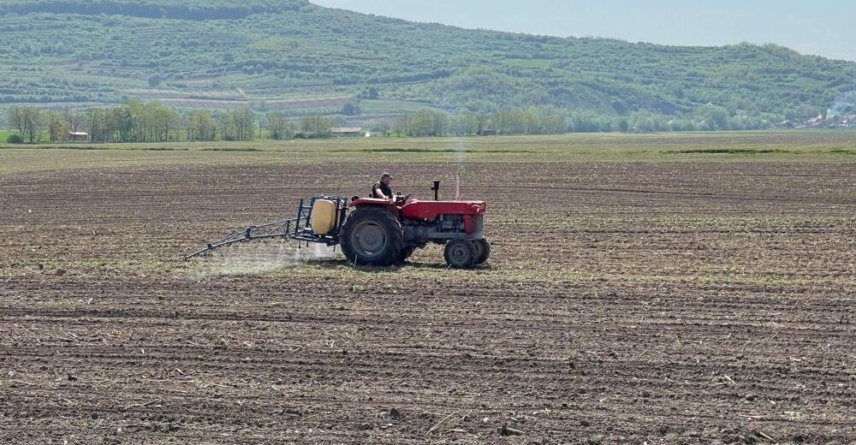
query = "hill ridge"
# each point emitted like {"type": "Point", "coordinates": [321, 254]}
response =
{"type": "Point", "coordinates": [76, 51]}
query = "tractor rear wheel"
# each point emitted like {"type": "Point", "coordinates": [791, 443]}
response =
{"type": "Point", "coordinates": [482, 250]}
{"type": "Point", "coordinates": [372, 236]}
{"type": "Point", "coordinates": [460, 254]}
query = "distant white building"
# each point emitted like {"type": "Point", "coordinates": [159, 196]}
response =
{"type": "Point", "coordinates": [78, 136]}
{"type": "Point", "coordinates": [347, 131]}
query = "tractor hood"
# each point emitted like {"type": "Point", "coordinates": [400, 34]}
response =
{"type": "Point", "coordinates": [415, 209]}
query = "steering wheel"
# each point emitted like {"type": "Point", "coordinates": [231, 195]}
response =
{"type": "Point", "coordinates": [402, 198]}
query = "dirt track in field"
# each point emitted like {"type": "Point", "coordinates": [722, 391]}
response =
{"type": "Point", "coordinates": [658, 302]}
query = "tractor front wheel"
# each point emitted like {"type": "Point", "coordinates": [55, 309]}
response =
{"type": "Point", "coordinates": [482, 250]}
{"type": "Point", "coordinates": [372, 236]}
{"type": "Point", "coordinates": [460, 254]}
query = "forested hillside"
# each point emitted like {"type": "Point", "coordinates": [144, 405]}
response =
{"type": "Point", "coordinates": [293, 56]}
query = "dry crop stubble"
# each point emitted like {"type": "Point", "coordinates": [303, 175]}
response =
{"type": "Point", "coordinates": [657, 296]}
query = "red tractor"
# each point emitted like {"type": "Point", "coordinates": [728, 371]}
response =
{"type": "Point", "coordinates": [378, 232]}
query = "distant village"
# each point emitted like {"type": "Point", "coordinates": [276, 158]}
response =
{"type": "Point", "coordinates": [826, 120]}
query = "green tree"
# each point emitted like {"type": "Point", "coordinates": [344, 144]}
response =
{"type": "Point", "coordinates": [155, 80]}
{"type": "Point", "coordinates": [351, 109]}
{"type": "Point", "coordinates": [98, 125]}
{"type": "Point", "coordinates": [226, 126]}
{"type": "Point", "coordinates": [122, 119]}
{"type": "Point", "coordinates": [316, 126]}
{"type": "Point", "coordinates": [466, 124]}
{"type": "Point", "coordinates": [585, 122]}
{"type": "Point", "coordinates": [279, 127]}
{"type": "Point", "coordinates": [244, 124]}
{"type": "Point", "coordinates": [163, 122]}
{"type": "Point", "coordinates": [716, 117]}
{"type": "Point", "coordinates": [425, 123]}
{"type": "Point", "coordinates": [647, 122]}
{"type": "Point", "coordinates": [201, 126]}
{"type": "Point", "coordinates": [141, 125]}
{"type": "Point", "coordinates": [553, 121]}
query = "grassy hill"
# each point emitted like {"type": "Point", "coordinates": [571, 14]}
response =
{"type": "Point", "coordinates": [293, 55]}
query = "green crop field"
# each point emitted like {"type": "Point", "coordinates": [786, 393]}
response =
{"type": "Point", "coordinates": [807, 145]}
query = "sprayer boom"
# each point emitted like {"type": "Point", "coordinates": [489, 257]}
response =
{"type": "Point", "coordinates": [331, 210]}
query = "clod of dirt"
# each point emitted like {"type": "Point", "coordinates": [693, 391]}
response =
{"type": "Point", "coordinates": [72, 378]}
{"type": "Point", "coordinates": [60, 272]}
{"type": "Point", "coordinates": [394, 414]}
{"type": "Point", "coordinates": [506, 431]}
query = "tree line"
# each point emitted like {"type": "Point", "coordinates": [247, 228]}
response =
{"type": "Point", "coordinates": [154, 122]}
{"type": "Point", "coordinates": [135, 121]}
{"type": "Point", "coordinates": [550, 120]}
{"type": "Point", "coordinates": [187, 10]}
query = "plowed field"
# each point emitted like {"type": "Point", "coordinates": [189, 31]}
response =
{"type": "Point", "coordinates": [642, 296]}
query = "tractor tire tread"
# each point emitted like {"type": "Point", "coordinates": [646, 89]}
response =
{"type": "Point", "coordinates": [469, 260]}
{"type": "Point", "coordinates": [392, 227]}
{"type": "Point", "coordinates": [482, 250]}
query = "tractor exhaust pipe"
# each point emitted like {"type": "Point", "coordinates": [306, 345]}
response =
{"type": "Point", "coordinates": [436, 190]}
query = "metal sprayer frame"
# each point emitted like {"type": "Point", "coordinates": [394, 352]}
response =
{"type": "Point", "coordinates": [297, 228]}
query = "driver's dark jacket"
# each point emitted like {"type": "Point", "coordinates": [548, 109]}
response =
{"type": "Point", "coordinates": [385, 189]}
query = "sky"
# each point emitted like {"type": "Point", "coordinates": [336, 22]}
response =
{"type": "Point", "coordinates": [826, 29]}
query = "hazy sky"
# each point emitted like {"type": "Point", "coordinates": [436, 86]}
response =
{"type": "Point", "coordinates": [827, 28]}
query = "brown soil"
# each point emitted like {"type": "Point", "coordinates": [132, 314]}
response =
{"type": "Point", "coordinates": [707, 302]}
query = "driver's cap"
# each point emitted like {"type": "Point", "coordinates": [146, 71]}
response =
{"type": "Point", "coordinates": [386, 175]}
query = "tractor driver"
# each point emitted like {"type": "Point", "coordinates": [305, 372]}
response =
{"type": "Point", "coordinates": [381, 189]}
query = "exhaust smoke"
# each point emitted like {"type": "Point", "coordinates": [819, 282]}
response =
{"type": "Point", "coordinates": [459, 166]}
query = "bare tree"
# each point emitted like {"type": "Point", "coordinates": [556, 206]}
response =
{"type": "Point", "coordinates": [15, 119]}
{"type": "Point", "coordinates": [279, 127]}
{"type": "Point", "coordinates": [244, 122]}
{"type": "Point", "coordinates": [32, 124]}
{"type": "Point", "coordinates": [57, 131]}
{"type": "Point", "coordinates": [73, 120]}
